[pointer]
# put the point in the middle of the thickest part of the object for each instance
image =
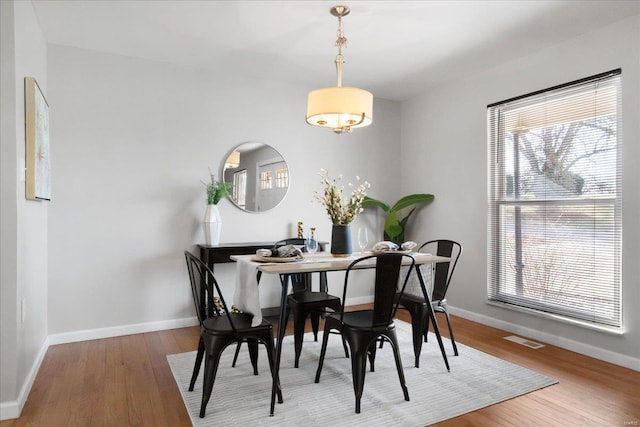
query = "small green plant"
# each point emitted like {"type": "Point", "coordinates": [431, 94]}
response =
{"type": "Point", "coordinates": [394, 225]}
{"type": "Point", "coordinates": [216, 190]}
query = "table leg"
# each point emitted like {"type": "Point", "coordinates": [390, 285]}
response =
{"type": "Point", "coordinates": [282, 327]}
{"type": "Point", "coordinates": [432, 316]}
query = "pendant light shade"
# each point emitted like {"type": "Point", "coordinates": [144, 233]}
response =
{"type": "Point", "coordinates": [340, 108]}
{"type": "Point", "coordinates": [233, 161]}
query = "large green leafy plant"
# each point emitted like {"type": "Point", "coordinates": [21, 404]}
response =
{"type": "Point", "coordinates": [395, 223]}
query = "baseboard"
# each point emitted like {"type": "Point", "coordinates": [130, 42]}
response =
{"type": "Point", "coordinates": [9, 410]}
{"type": "Point", "coordinates": [578, 347]}
{"type": "Point", "coordinates": [13, 408]}
{"type": "Point", "coordinates": [116, 331]}
{"type": "Point", "coordinates": [139, 328]}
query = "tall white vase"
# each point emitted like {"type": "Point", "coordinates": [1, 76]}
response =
{"type": "Point", "coordinates": [212, 225]}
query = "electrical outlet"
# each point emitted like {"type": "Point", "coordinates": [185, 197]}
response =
{"type": "Point", "coordinates": [24, 310]}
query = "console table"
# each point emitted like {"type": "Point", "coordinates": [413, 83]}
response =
{"type": "Point", "coordinates": [222, 253]}
{"type": "Point", "coordinates": [216, 254]}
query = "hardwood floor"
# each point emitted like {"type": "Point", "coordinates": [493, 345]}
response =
{"type": "Point", "coordinates": [127, 381]}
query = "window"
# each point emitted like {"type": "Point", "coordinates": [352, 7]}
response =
{"type": "Point", "coordinates": [282, 178]}
{"type": "Point", "coordinates": [555, 197]}
{"type": "Point", "coordinates": [266, 180]}
{"type": "Point", "coordinates": [240, 188]}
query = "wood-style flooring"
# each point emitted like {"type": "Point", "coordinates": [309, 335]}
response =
{"type": "Point", "coordinates": [126, 381]}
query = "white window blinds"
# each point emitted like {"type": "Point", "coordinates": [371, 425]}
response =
{"type": "Point", "coordinates": [555, 197]}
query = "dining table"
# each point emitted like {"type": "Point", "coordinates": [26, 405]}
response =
{"type": "Point", "coordinates": [250, 267]}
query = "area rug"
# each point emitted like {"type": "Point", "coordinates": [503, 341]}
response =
{"type": "Point", "coordinates": [239, 398]}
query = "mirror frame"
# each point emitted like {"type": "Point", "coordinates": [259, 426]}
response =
{"type": "Point", "coordinates": [266, 155]}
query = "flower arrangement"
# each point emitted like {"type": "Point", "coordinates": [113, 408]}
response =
{"type": "Point", "coordinates": [216, 190]}
{"type": "Point", "coordinates": [340, 211]}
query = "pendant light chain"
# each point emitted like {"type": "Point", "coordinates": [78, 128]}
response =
{"type": "Point", "coordinates": [340, 43]}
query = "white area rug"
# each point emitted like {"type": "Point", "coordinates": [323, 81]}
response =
{"type": "Point", "coordinates": [239, 398]}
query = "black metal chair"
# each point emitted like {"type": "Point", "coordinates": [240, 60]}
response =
{"type": "Point", "coordinates": [303, 302]}
{"type": "Point", "coordinates": [219, 327]}
{"type": "Point", "coordinates": [363, 328]}
{"type": "Point", "coordinates": [416, 305]}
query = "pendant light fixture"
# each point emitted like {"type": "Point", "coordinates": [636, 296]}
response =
{"type": "Point", "coordinates": [340, 108]}
{"type": "Point", "coordinates": [233, 161]}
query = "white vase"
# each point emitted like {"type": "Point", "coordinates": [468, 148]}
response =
{"type": "Point", "coordinates": [212, 225]}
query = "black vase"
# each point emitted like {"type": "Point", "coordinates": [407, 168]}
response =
{"type": "Point", "coordinates": [341, 240]}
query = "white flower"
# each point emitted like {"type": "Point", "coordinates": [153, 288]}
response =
{"type": "Point", "coordinates": [340, 212]}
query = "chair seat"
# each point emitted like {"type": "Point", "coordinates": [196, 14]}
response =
{"type": "Point", "coordinates": [242, 322]}
{"type": "Point", "coordinates": [414, 299]}
{"type": "Point", "coordinates": [308, 297]}
{"type": "Point", "coordinates": [362, 319]}
{"type": "Point", "coordinates": [303, 303]}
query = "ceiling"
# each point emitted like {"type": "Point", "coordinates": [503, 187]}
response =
{"type": "Point", "coordinates": [395, 48]}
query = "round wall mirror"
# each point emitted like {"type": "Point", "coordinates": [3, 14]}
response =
{"type": "Point", "coordinates": [259, 176]}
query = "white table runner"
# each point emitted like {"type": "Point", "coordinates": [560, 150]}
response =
{"type": "Point", "coordinates": [247, 295]}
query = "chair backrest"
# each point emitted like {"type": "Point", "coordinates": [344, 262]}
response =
{"type": "Point", "coordinates": [295, 241]}
{"type": "Point", "coordinates": [300, 281]}
{"type": "Point", "coordinates": [206, 293]}
{"type": "Point", "coordinates": [443, 270]}
{"type": "Point", "coordinates": [386, 284]}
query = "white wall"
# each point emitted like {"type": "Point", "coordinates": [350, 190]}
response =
{"type": "Point", "coordinates": [445, 149]}
{"type": "Point", "coordinates": [132, 141]}
{"type": "Point", "coordinates": [8, 208]}
{"type": "Point", "coordinates": [24, 223]}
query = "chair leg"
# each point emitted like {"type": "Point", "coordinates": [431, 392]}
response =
{"type": "Point", "coordinates": [396, 353]}
{"type": "Point", "coordinates": [253, 354]}
{"type": "Point", "coordinates": [196, 367]}
{"type": "Point", "coordinates": [418, 316]}
{"type": "Point", "coordinates": [271, 356]}
{"type": "Point", "coordinates": [235, 356]}
{"type": "Point", "coordinates": [298, 334]}
{"type": "Point", "coordinates": [323, 351]}
{"type": "Point", "coordinates": [344, 345]}
{"type": "Point", "coordinates": [359, 353]}
{"type": "Point", "coordinates": [372, 355]}
{"type": "Point", "coordinates": [358, 368]}
{"type": "Point", "coordinates": [315, 323]}
{"type": "Point", "coordinates": [211, 363]}
{"type": "Point", "coordinates": [336, 308]}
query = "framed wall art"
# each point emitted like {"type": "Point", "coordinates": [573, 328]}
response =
{"type": "Point", "coordinates": [37, 162]}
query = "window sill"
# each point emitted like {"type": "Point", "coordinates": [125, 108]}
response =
{"type": "Point", "coordinates": [580, 323]}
